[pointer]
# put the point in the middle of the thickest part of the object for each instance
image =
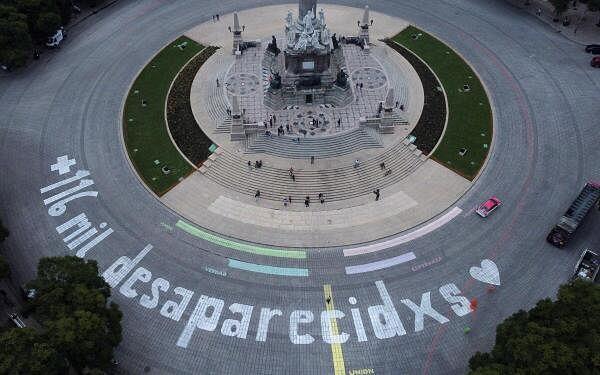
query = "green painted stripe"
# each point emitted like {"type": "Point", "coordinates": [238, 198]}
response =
{"type": "Point", "coordinates": [270, 252]}
{"type": "Point", "coordinates": [261, 268]}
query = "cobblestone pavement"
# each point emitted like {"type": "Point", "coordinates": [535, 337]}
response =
{"type": "Point", "coordinates": [196, 303]}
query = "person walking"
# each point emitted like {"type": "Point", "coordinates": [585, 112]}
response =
{"type": "Point", "coordinates": [321, 198]}
{"type": "Point", "coordinates": [285, 202]}
{"type": "Point", "coordinates": [356, 163]}
{"type": "Point", "coordinates": [290, 199]}
{"type": "Point", "coordinates": [307, 201]}
{"type": "Point", "coordinates": [376, 192]}
{"type": "Point", "coordinates": [382, 165]}
{"type": "Point", "coordinates": [312, 160]}
{"type": "Point", "coordinates": [293, 177]}
{"type": "Point", "coordinates": [249, 165]}
{"type": "Point", "coordinates": [257, 195]}
{"type": "Point", "coordinates": [218, 83]}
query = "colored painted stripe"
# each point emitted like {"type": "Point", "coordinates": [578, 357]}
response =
{"type": "Point", "coordinates": [381, 264]}
{"type": "Point", "coordinates": [270, 270]}
{"type": "Point", "coordinates": [247, 248]}
{"type": "Point", "coordinates": [405, 238]}
{"type": "Point", "coordinates": [339, 367]}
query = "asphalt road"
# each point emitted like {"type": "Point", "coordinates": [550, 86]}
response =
{"type": "Point", "coordinates": [545, 96]}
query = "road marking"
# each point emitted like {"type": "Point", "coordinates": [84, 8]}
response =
{"type": "Point", "coordinates": [380, 264]}
{"type": "Point", "coordinates": [339, 367]}
{"type": "Point", "coordinates": [405, 238]}
{"type": "Point", "coordinates": [247, 248]}
{"type": "Point", "coordinates": [270, 270]}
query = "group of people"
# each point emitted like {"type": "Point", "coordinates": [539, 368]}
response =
{"type": "Point", "coordinates": [257, 164]}
{"type": "Point", "coordinates": [215, 17]}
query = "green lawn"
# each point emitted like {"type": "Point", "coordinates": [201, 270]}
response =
{"type": "Point", "coordinates": [470, 115]}
{"type": "Point", "coordinates": [145, 130]}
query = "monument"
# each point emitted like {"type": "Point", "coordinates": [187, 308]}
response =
{"type": "Point", "coordinates": [311, 64]}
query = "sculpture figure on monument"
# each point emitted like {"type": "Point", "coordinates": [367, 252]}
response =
{"type": "Point", "coordinates": [342, 79]}
{"type": "Point", "coordinates": [303, 42]}
{"type": "Point", "coordinates": [272, 47]}
{"type": "Point", "coordinates": [289, 20]}
{"type": "Point", "coordinates": [275, 82]}
{"type": "Point", "coordinates": [326, 37]}
{"type": "Point", "coordinates": [321, 17]}
{"type": "Point", "coordinates": [291, 37]}
{"type": "Point", "coordinates": [315, 41]}
{"type": "Point", "coordinates": [308, 25]}
{"type": "Point", "coordinates": [335, 42]}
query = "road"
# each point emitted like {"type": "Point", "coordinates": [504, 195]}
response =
{"type": "Point", "coordinates": [545, 97]}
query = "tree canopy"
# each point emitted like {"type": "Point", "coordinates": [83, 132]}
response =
{"type": "Point", "coordinates": [23, 351]}
{"type": "Point", "coordinates": [79, 325]}
{"type": "Point", "coordinates": [555, 337]}
{"type": "Point", "coordinates": [560, 6]}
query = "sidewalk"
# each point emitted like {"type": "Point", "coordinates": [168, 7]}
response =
{"type": "Point", "coordinates": [582, 29]}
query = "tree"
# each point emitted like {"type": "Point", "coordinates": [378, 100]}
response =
{"type": "Point", "coordinates": [71, 303]}
{"type": "Point", "coordinates": [23, 351]}
{"type": "Point", "coordinates": [560, 6]}
{"type": "Point", "coordinates": [3, 231]}
{"type": "Point", "coordinates": [47, 23]}
{"type": "Point", "coordinates": [4, 268]}
{"type": "Point", "coordinates": [555, 337]}
{"type": "Point", "coordinates": [15, 45]}
{"type": "Point", "coordinates": [594, 6]}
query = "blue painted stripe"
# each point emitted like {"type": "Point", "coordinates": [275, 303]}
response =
{"type": "Point", "coordinates": [381, 264]}
{"type": "Point", "coordinates": [270, 270]}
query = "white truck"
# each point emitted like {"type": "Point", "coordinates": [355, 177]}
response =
{"type": "Point", "coordinates": [55, 40]}
{"type": "Point", "coordinates": [587, 267]}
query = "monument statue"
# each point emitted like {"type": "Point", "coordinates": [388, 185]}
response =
{"type": "Point", "coordinates": [304, 6]}
{"type": "Point", "coordinates": [335, 42]}
{"type": "Point", "coordinates": [342, 79]}
{"type": "Point", "coordinates": [275, 82]}
{"type": "Point", "coordinates": [289, 20]}
{"type": "Point", "coordinates": [308, 22]}
{"type": "Point", "coordinates": [272, 47]}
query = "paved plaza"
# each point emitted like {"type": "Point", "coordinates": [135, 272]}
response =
{"type": "Point", "coordinates": [212, 281]}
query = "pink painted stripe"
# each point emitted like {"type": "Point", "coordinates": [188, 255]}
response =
{"type": "Point", "coordinates": [404, 238]}
{"type": "Point", "coordinates": [381, 264]}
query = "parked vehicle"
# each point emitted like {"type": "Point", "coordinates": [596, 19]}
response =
{"type": "Point", "coordinates": [595, 63]}
{"type": "Point", "coordinates": [570, 221]}
{"type": "Point", "coordinates": [595, 51]}
{"type": "Point", "coordinates": [587, 266]}
{"type": "Point", "coordinates": [55, 40]}
{"type": "Point", "coordinates": [589, 47]}
{"type": "Point", "coordinates": [487, 207]}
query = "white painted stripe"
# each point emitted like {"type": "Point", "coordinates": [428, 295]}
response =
{"type": "Point", "coordinates": [405, 238]}
{"type": "Point", "coordinates": [380, 264]}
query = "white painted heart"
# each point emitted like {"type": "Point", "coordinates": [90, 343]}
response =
{"type": "Point", "coordinates": [488, 272]}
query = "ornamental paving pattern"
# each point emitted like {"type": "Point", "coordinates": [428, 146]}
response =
{"type": "Point", "coordinates": [199, 302]}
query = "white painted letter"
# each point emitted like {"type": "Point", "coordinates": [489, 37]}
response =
{"type": "Point", "coordinates": [263, 324]}
{"type": "Point", "coordinates": [200, 320]}
{"type": "Point", "coordinates": [124, 264]}
{"type": "Point", "coordinates": [391, 325]}
{"type": "Point", "coordinates": [140, 274]}
{"type": "Point", "coordinates": [298, 317]}
{"type": "Point", "coordinates": [239, 328]}
{"type": "Point", "coordinates": [424, 309]}
{"type": "Point", "coordinates": [174, 310]}
{"type": "Point", "coordinates": [458, 303]}
{"type": "Point", "coordinates": [358, 325]}
{"type": "Point", "coordinates": [328, 323]}
{"type": "Point", "coordinates": [158, 284]}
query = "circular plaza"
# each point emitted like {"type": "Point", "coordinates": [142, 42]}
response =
{"type": "Point", "coordinates": [289, 188]}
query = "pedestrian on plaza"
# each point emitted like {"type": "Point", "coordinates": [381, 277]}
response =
{"type": "Point", "coordinates": [376, 192]}
{"type": "Point", "coordinates": [257, 195]}
{"type": "Point", "coordinates": [270, 122]}
{"type": "Point", "coordinates": [321, 198]}
{"type": "Point", "coordinates": [307, 201]}
{"type": "Point", "coordinates": [312, 160]}
{"type": "Point", "coordinates": [249, 165]}
{"type": "Point", "coordinates": [274, 119]}
{"type": "Point", "coordinates": [339, 122]}
{"type": "Point", "coordinates": [285, 202]}
{"type": "Point", "coordinates": [397, 103]}
{"type": "Point", "coordinates": [356, 163]}
{"type": "Point", "coordinates": [361, 86]}
{"type": "Point", "coordinates": [539, 12]}
{"type": "Point", "coordinates": [293, 177]}
{"type": "Point", "coordinates": [382, 165]}
{"type": "Point", "coordinates": [287, 127]}
{"type": "Point", "coordinates": [217, 16]}
{"type": "Point", "coordinates": [291, 171]}
{"type": "Point", "coordinates": [290, 199]}
{"type": "Point", "coordinates": [298, 139]}
{"type": "Point", "coordinates": [260, 163]}
{"type": "Point", "coordinates": [213, 18]}
{"type": "Point", "coordinates": [402, 107]}
{"type": "Point", "coordinates": [218, 83]}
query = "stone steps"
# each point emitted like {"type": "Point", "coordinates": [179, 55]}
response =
{"type": "Point", "coordinates": [321, 147]}
{"type": "Point", "coordinates": [341, 183]}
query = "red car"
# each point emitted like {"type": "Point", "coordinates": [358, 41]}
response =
{"type": "Point", "coordinates": [487, 207]}
{"type": "Point", "coordinates": [595, 62]}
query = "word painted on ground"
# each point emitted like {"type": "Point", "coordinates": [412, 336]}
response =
{"type": "Point", "coordinates": [215, 271]}
{"type": "Point", "coordinates": [362, 371]}
{"type": "Point", "coordinates": [210, 314]}
{"type": "Point", "coordinates": [426, 264]}
{"type": "Point", "coordinates": [79, 234]}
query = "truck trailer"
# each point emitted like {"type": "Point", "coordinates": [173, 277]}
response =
{"type": "Point", "coordinates": [570, 221]}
